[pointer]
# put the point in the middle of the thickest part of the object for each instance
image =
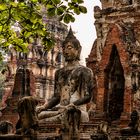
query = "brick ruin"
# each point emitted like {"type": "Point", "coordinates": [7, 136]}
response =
{"type": "Point", "coordinates": [32, 73]}
{"type": "Point", "coordinates": [114, 59]}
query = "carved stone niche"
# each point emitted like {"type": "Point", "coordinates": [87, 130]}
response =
{"type": "Point", "coordinates": [114, 87]}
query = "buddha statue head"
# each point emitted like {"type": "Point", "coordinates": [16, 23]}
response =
{"type": "Point", "coordinates": [71, 47]}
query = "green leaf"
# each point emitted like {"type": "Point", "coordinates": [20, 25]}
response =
{"type": "Point", "coordinates": [51, 11]}
{"type": "Point", "coordinates": [82, 9]}
{"type": "Point", "coordinates": [21, 4]}
{"type": "Point", "coordinates": [13, 4]}
{"type": "Point", "coordinates": [0, 28]}
{"type": "Point", "coordinates": [63, 7]}
{"type": "Point", "coordinates": [35, 1]}
{"type": "Point", "coordinates": [68, 18]}
{"type": "Point", "coordinates": [7, 0]}
{"type": "Point", "coordinates": [77, 11]}
{"type": "Point", "coordinates": [49, 6]}
{"type": "Point", "coordinates": [72, 19]}
{"type": "Point", "coordinates": [3, 6]}
{"type": "Point", "coordinates": [27, 34]}
{"type": "Point", "coordinates": [48, 42]}
{"type": "Point", "coordinates": [40, 32]}
{"type": "Point", "coordinates": [56, 1]}
{"type": "Point", "coordinates": [80, 1]}
{"type": "Point", "coordinates": [59, 11]}
{"type": "Point", "coordinates": [7, 44]}
{"type": "Point", "coordinates": [75, 1]}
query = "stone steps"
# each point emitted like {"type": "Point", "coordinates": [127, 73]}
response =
{"type": "Point", "coordinates": [47, 129]}
{"type": "Point", "coordinates": [52, 131]}
{"type": "Point", "coordinates": [53, 136]}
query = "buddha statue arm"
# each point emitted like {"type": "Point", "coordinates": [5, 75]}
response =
{"type": "Point", "coordinates": [56, 97]}
{"type": "Point", "coordinates": [54, 100]}
{"type": "Point", "coordinates": [81, 101]}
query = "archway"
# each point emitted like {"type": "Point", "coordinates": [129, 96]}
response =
{"type": "Point", "coordinates": [114, 86]}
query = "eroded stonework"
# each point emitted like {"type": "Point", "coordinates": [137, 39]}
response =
{"type": "Point", "coordinates": [32, 74]}
{"type": "Point", "coordinates": [114, 59]}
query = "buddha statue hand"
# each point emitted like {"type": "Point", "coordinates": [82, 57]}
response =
{"type": "Point", "coordinates": [40, 109]}
{"type": "Point", "coordinates": [70, 106]}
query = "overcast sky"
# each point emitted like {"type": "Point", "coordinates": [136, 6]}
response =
{"type": "Point", "coordinates": [84, 28]}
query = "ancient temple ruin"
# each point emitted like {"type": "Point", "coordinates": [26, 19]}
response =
{"type": "Point", "coordinates": [32, 73]}
{"type": "Point", "coordinates": [114, 59]}
{"type": "Point", "coordinates": [41, 62]}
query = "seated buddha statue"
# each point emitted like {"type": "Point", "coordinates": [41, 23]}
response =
{"type": "Point", "coordinates": [73, 87]}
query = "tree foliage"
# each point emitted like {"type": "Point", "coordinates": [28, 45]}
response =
{"type": "Point", "coordinates": [21, 22]}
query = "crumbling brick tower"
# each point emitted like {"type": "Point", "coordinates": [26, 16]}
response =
{"type": "Point", "coordinates": [115, 58]}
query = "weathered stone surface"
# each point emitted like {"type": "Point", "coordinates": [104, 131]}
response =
{"type": "Point", "coordinates": [101, 133]}
{"type": "Point", "coordinates": [17, 137]}
{"type": "Point", "coordinates": [28, 122]}
{"type": "Point", "coordinates": [35, 72]}
{"type": "Point", "coordinates": [133, 126]}
{"type": "Point", "coordinates": [6, 127]}
{"type": "Point", "coordinates": [117, 23]}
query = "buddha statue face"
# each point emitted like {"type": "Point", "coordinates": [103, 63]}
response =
{"type": "Point", "coordinates": [70, 52]}
{"type": "Point", "coordinates": [71, 47]}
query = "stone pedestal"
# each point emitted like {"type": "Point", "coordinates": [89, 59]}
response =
{"type": "Point", "coordinates": [99, 137]}
{"type": "Point", "coordinates": [124, 120]}
{"type": "Point", "coordinates": [17, 137]}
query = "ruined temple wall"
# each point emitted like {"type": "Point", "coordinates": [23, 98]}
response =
{"type": "Point", "coordinates": [42, 63]}
{"type": "Point", "coordinates": [106, 17]}
{"type": "Point", "coordinates": [113, 38]}
{"type": "Point", "coordinates": [117, 25]}
{"type": "Point", "coordinates": [12, 119]}
{"type": "Point", "coordinates": [118, 3]}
